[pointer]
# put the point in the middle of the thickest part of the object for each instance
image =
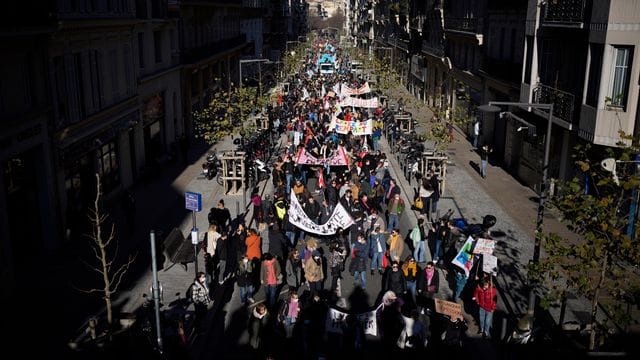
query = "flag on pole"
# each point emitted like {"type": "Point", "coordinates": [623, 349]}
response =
{"type": "Point", "coordinates": [321, 179]}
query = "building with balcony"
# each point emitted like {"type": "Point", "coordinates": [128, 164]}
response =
{"type": "Point", "coordinates": [210, 45]}
{"type": "Point", "coordinates": [596, 99]}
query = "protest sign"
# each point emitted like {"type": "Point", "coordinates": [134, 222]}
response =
{"type": "Point", "coordinates": [368, 322]}
{"type": "Point", "coordinates": [490, 264]}
{"type": "Point", "coordinates": [484, 246]}
{"type": "Point", "coordinates": [335, 321]}
{"type": "Point", "coordinates": [449, 308]}
{"type": "Point", "coordinates": [464, 258]}
{"type": "Point", "coordinates": [340, 219]}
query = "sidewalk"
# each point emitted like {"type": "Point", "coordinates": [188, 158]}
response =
{"type": "Point", "coordinates": [515, 207]}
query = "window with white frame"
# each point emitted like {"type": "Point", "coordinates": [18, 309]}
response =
{"type": "Point", "coordinates": [622, 56]}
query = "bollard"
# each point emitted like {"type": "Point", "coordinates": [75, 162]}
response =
{"type": "Point", "coordinates": [93, 323]}
{"type": "Point", "coordinates": [503, 330]}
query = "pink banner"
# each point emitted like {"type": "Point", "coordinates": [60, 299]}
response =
{"type": "Point", "coordinates": [338, 158]}
{"type": "Point", "coordinates": [363, 103]}
{"type": "Point", "coordinates": [347, 91]}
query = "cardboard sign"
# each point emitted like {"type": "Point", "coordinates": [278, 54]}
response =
{"type": "Point", "coordinates": [449, 308]}
{"type": "Point", "coordinates": [490, 264]}
{"type": "Point", "coordinates": [484, 246]}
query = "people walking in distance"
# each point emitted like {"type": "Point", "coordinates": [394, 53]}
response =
{"type": "Point", "coordinates": [417, 236]}
{"type": "Point", "coordinates": [435, 196]}
{"type": "Point", "coordinates": [258, 326]}
{"type": "Point", "coordinates": [210, 252]}
{"type": "Point", "coordinates": [244, 279]}
{"type": "Point", "coordinates": [337, 254]}
{"type": "Point", "coordinates": [484, 158]}
{"type": "Point", "coordinates": [425, 193]}
{"type": "Point", "coordinates": [395, 280]}
{"type": "Point", "coordinates": [313, 273]}
{"type": "Point", "coordinates": [201, 300]}
{"type": "Point", "coordinates": [377, 248]}
{"type": "Point", "coordinates": [476, 133]}
{"type": "Point", "coordinates": [220, 216]}
{"type": "Point", "coordinates": [288, 313]}
{"type": "Point", "coordinates": [411, 272]}
{"type": "Point", "coordinates": [396, 245]}
{"type": "Point", "coordinates": [486, 297]}
{"type": "Point", "coordinates": [270, 278]}
{"type": "Point", "coordinates": [222, 251]}
{"type": "Point", "coordinates": [395, 208]}
{"type": "Point", "coordinates": [293, 268]}
{"type": "Point", "coordinates": [428, 284]}
{"type": "Point", "coordinates": [358, 265]}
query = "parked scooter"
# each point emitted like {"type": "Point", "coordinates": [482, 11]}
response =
{"type": "Point", "coordinates": [523, 332]}
{"type": "Point", "coordinates": [211, 166]}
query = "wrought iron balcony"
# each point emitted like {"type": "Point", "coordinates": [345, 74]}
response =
{"type": "Point", "coordinates": [564, 12]}
{"type": "Point", "coordinates": [417, 22]}
{"type": "Point", "coordinates": [468, 25]}
{"type": "Point", "coordinates": [563, 102]}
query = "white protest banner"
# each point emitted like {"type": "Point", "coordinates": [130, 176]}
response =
{"type": "Point", "coordinates": [363, 103]}
{"type": "Point", "coordinates": [340, 219]}
{"type": "Point", "coordinates": [335, 321]}
{"type": "Point", "coordinates": [355, 127]}
{"type": "Point", "coordinates": [464, 258]}
{"type": "Point", "coordinates": [490, 264]}
{"type": "Point", "coordinates": [368, 322]}
{"type": "Point", "coordinates": [484, 246]}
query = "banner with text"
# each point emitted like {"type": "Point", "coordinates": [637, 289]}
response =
{"type": "Point", "coordinates": [336, 320]}
{"type": "Point", "coordinates": [338, 158]}
{"type": "Point", "coordinates": [363, 103]}
{"type": "Point", "coordinates": [369, 323]}
{"type": "Point", "coordinates": [356, 127]}
{"type": "Point", "coordinates": [340, 219]}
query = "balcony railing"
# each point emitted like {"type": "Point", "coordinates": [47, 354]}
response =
{"type": "Point", "coordinates": [563, 102]}
{"type": "Point", "coordinates": [469, 25]}
{"type": "Point", "coordinates": [564, 12]}
{"type": "Point", "coordinates": [417, 22]}
{"type": "Point", "coordinates": [437, 51]}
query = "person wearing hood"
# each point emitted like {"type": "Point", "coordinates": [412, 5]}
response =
{"type": "Point", "coordinates": [313, 273]}
{"type": "Point", "coordinates": [258, 326]}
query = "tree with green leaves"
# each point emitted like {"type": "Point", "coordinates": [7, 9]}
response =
{"type": "Point", "coordinates": [227, 112]}
{"type": "Point", "coordinates": [600, 265]}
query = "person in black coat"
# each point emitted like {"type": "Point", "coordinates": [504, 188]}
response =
{"type": "Point", "coordinates": [277, 242]}
{"type": "Point", "coordinates": [395, 280]}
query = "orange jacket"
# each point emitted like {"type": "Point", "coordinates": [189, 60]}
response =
{"type": "Point", "coordinates": [253, 246]}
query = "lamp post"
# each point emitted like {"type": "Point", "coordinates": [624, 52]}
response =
{"type": "Point", "coordinates": [492, 108]}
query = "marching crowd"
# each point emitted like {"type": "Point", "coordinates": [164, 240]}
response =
{"type": "Point", "coordinates": [280, 254]}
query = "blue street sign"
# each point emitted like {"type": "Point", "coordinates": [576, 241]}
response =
{"type": "Point", "coordinates": [193, 201]}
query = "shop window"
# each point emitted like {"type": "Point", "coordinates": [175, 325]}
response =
{"type": "Point", "coordinates": [107, 162]}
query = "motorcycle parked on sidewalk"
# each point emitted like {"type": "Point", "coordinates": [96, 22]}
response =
{"type": "Point", "coordinates": [212, 167]}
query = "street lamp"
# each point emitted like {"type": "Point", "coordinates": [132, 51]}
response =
{"type": "Point", "coordinates": [492, 108]}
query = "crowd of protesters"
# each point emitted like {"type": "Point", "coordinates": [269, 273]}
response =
{"type": "Point", "coordinates": [276, 254]}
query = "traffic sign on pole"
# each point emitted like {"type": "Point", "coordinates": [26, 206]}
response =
{"type": "Point", "coordinates": [193, 201]}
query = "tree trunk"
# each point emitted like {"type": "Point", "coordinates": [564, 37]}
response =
{"type": "Point", "coordinates": [596, 297]}
{"type": "Point", "coordinates": [103, 254]}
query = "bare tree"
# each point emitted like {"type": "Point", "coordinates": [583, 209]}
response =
{"type": "Point", "coordinates": [105, 252]}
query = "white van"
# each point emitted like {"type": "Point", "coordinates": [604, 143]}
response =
{"type": "Point", "coordinates": [356, 67]}
{"type": "Point", "coordinates": [327, 68]}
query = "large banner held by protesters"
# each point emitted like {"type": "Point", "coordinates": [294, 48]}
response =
{"type": "Point", "coordinates": [356, 127]}
{"type": "Point", "coordinates": [363, 103]}
{"type": "Point", "coordinates": [336, 321]}
{"type": "Point", "coordinates": [338, 158]}
{"type": "Point", "coordinates": [464, 258]}
{"type": "Point", "coordinates": [364, 89]}
{"type": "Point", "coordinates": [340, 219]}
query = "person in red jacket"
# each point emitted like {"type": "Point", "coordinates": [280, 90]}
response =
{"type": "Point", "coordinates": [486, 297]}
